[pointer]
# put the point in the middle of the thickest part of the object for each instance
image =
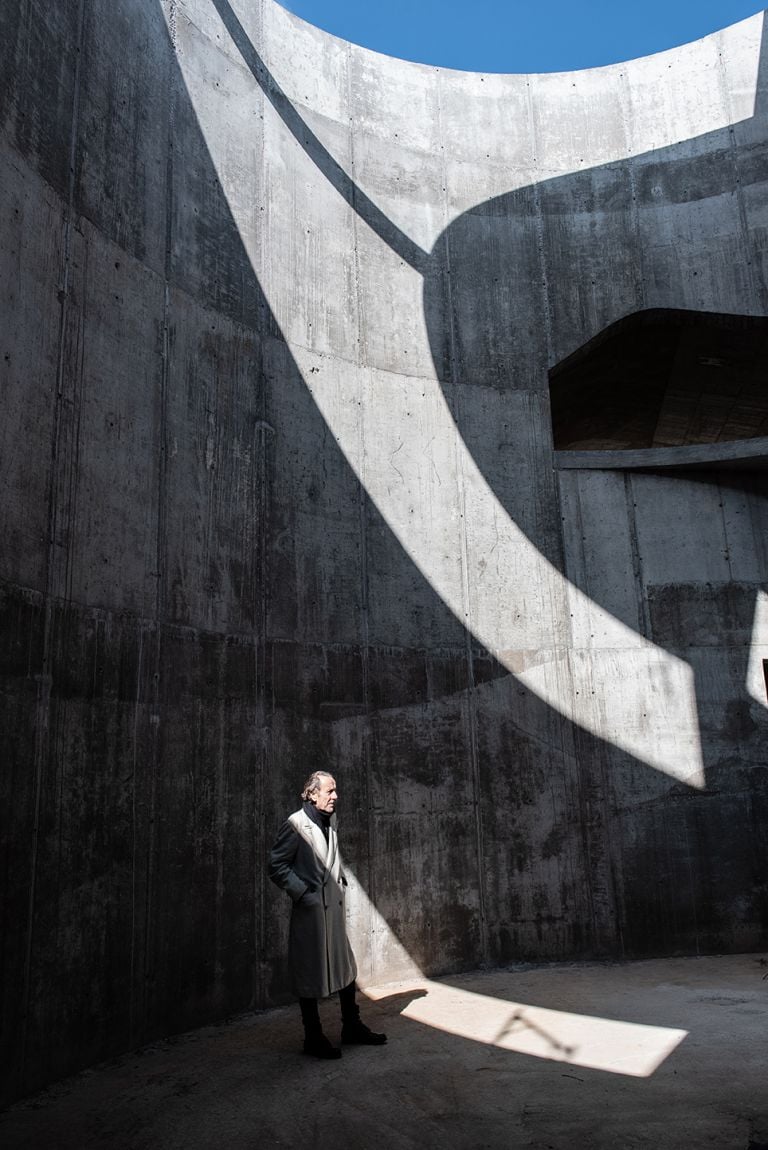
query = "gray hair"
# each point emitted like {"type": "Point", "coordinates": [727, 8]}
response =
{"type": "Point", "coordinates": [313, 784]}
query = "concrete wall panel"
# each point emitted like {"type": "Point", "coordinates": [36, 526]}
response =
{"type": "Point", "coordinates": [93, 762]}
{"type": "Point", "coordinates": [200, 944]}
{"type": "Point", "coordinates": [397, 332]}
{"type": "Point", "coordinates": [485, 123]}
{"type": "Point", "coordinates": [209, 255]}
{"type": "Point", "coordinates": [114, 374]}
{"type": "Point", "coordinates": [745, 511]}
{"type": "Point", "coordinates": [497, 297]}
{"type": "Point", "coordinates": [122, 129]}
{"type": "Point", "coordinates": [22, 616]}
{"type": "Point", "coordinates": [39, 82]}
{"type": "Point", "coordinates": [529, 613]}
{"type": "Point", "coordinates": [312, 67]}
{"type": "Point", "coordinates": [600, 558]}
{"type": "Point", "coordinates": [680, 532]}
{"type": "Point", "coordinates": [400, 106]}
{"type": "Point", "coordinates": [31, 255]}
{"type": "Point", "coordinates": [591, 253]}
{"type": "Point", "coordinates": [662, 108]}
{"type": "Point", "coordinates": [314, 531]}
{"type": "Point", "coordinates": [405, 455]}
{"type": "Point", "coordinates": [592, 131]}
{"type": "Point", "coordinates": [530, 804]}
{"type": "Point", "coordinates": [315, 302]}
{"type": "Point", "coordinates": [212, 470]}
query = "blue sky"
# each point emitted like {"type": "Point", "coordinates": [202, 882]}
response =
{"type": "Point", "coordinates": [521, 35]}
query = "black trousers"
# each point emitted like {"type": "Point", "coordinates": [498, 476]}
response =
{"type": "Point", "coordinates": [310, 1015]}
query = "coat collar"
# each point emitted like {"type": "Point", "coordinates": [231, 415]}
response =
{"type": "Point", "coordinates": [325, 851]}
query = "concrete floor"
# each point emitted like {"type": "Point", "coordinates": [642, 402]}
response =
{"type": "Point", "coordinates": [664, 1054]}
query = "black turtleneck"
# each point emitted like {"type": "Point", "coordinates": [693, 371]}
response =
{"type": "Point", "coordinates": [322, 819]}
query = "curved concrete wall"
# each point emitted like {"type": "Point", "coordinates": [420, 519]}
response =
{"type": "Point", "coordinates": [279, 492]}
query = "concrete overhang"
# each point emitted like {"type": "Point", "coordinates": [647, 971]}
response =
{"type": "Point", "coordinates": [737, 455]}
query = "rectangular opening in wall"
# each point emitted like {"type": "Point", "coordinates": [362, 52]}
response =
{"type": "Point", "coordinates": [765, 676]}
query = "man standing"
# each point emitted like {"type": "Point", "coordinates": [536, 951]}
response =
{"type": "Point", "coordinates": [305, 862]}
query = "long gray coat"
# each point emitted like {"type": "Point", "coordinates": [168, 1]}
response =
{"type": "Point", "coordinates": [309, 870]}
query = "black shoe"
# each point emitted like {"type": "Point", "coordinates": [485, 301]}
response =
{"type": "Point", "coordinates": [319, 1047]}
{"type": "Point", "coordinates": [357, 1034]}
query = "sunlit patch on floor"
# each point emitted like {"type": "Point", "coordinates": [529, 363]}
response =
{"type": "Point", "coordinates": [617, 1047]}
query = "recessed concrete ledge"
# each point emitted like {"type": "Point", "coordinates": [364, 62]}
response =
{"type": "Point", "coordinates": [737, 455]}
{"type": "Point", "coordinates": [666, 1053]}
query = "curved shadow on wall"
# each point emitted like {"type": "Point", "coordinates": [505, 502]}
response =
{"type": "Point", "coordinates": [465, 353]}
{"type": "Point", "coordinates": [475, 341]}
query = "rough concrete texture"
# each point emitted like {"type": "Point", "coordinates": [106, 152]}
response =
{"type": "Point", "coordinates": [662, 1054]}
{"type": "Point", "coordinates": [279, 492]}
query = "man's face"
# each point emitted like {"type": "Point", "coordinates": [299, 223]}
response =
{"type": "Point", "coordinates": [325, 796]}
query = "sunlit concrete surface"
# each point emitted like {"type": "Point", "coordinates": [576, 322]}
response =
{"type": "Point", "coordinates": [446, 1079]}
{"type": "Point", "coordinates": [757, 674]}
{"type": "Point", "coordinates": [561, 1035]}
